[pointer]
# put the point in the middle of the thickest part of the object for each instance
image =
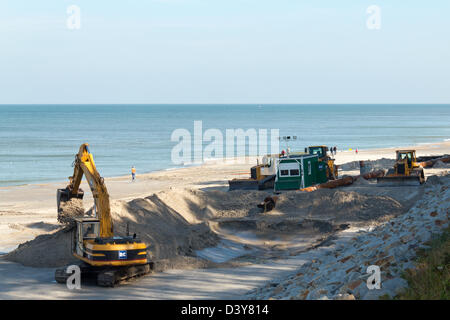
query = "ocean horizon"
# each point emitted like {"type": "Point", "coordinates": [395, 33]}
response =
{"type": "Point", "coordinates": [38, 142]}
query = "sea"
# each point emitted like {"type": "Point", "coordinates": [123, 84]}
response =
{"type": "Point", "coordinates": [38, 142]}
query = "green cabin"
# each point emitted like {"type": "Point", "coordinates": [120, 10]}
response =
{"type": "Point", "coordinates": [299, 171]}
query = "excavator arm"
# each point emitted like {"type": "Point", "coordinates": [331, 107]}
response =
{"type": "Point", "coordinates": [84, 165]}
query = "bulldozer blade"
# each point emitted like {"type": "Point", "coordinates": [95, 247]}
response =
{"type": "Point", "coordinates": [243, 184]}
{"type": "Point", "coordinates": [399, 181]}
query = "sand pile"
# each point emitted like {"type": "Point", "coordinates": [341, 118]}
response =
{"type": "Point", "coordinates": [371, 165]}
{"type": "Point", "coordinates": [441, 165]}
{"type": "Point", "coordinates": [238, 209]}
{"type": "Point", "coordinates": [176, 223]}
{"type": "Point", "coordinates": [48, 250]}
{"type": "Point", "coordinates": [361, 182]}
{"type": "Point", "coordinates": [198, 205]}
{"type": "Point", "coordinates": [338, 205]}
{"type": "Point", "coordinates": [167, 232]}
{"type": "Point", "coordinates": [53, 249]}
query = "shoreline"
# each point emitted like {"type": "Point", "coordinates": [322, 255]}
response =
{"type": "Point", "coordinates": [230, 161]}
{"type": "Point", "coordinates": [28, 204]}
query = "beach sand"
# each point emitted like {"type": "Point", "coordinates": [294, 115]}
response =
{"type": "Point", "coordinates": [190, 220]}
{"type": "Point", "coordinates": [29, 210]}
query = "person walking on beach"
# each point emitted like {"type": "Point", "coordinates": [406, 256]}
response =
{"type": "Point", "coordinates": [335, 150]}
{"type": "Point", "coordinates": [133, 173]}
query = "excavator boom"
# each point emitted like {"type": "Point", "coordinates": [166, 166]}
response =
{"type": "Point", "coordinates": [84, 165]}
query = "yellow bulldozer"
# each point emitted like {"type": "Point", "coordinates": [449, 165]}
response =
{"type": "Point", "coordinates": [262, 176]}
{"type": "Point", "coordinates": [407, 171]}
{"type": "Point", "coordinates": [100, 253]}
{"type": "Point", "coordinates": [321, 151]}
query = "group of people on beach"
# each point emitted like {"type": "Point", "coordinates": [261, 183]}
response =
{"type": "Point", "coordinates": [333, 150]}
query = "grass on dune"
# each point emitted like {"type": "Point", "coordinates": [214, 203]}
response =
{"type": "Point", "coordinates": [431, 278]}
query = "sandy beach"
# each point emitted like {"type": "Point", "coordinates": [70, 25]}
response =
{"type": "Point", "coordinates": [29, 210]}
{"type": "Point", "coordinates": [193, 222]}
{"type": "Point", "coordinates": [39, 199]}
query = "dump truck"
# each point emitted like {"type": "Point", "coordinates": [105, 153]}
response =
{"type": "Point", "coordinates": [406, 172]}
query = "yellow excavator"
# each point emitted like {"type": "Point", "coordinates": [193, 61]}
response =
{"type": "Point", "coordinates": [262, 176]}
{"type": "Point", "coordinates": [321, 151]}
{"type": "Point", "coordinates": [407, 171]}
{"type": "Point", "coordinates": [110, 258]}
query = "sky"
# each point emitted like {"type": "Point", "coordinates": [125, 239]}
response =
{"type": "Point", "coordinates": [224, 51]}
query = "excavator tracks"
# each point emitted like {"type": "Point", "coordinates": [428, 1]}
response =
{"type": "Point", "coordinates": [106, 276]}
{"type": "Point", "coordinates": [112, 277]}
{"type": "Point", "coordinates": [61, 274]}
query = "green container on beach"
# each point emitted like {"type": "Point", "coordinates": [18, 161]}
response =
{"type": "Point", "coordinates": [299, 171]}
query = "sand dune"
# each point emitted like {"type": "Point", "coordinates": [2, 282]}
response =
{"type": "Point", "coordinates": [177, 223]}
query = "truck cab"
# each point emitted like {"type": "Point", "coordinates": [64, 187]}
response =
{"type": "Point", "coordinates": [320, 151]}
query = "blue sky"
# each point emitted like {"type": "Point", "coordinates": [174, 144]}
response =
{"type": "Point", "coordinates": [224, 51]}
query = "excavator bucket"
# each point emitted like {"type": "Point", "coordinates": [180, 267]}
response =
{"type": "Point", "coordinates": [69, 205]}
{"type": "Point", "coordinates": [399, 181]}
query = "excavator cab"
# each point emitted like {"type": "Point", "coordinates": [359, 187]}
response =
{"type": "Point", "coordinates": [87, 229]}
